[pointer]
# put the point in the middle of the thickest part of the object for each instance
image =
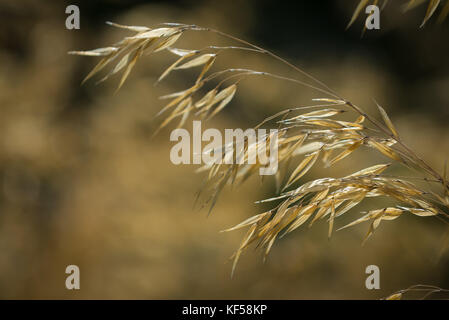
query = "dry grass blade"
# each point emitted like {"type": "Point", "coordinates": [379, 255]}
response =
{"type": "Point", "coordinates": [411, 4]}
{"type": "Point", "coordinates": [422, 290]}
{"type": "Point", "coordinates": [325, 113]}
{"type": "Point", "coordinates": [242, 246]}
{"type": "Point", "coordinates": [387, 121]}
{"type": "Point", "coordinates": [178, 97]}
{"type": "Point", "coordinates": [302, 169]}
{"type": "Point", "coordinates": [129, 67]}
{"type": "Point", "coordinates": [247, 222]}
{"type": "Point", "coordinates": [96, 52]}
{"type": "Point", "coordinates": [444, 13]}
{"type": "Point", "coordinates": [395, 296]}
{"type": "Point", "coordinates": [347, 152]}
{"type": "Point", "coordinates": [227, 95]}
{"type": "Point", "coordinates": [385, 150]}
{"type": "Point", "coordinates": [173, 66]}
{"type": "Point", "coordinates": [197, 61]}
{"type": "Point", "coordinates": [374, 170]}
{"type": "Point", "coordinates": [433, 4]}
{"type": "Point", "coordinates": [132, 28]}
{"type": "Point", "coordinates": [362, 4]}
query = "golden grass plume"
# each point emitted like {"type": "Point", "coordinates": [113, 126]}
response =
{"type": "Point", "coordinates": [328, 131]}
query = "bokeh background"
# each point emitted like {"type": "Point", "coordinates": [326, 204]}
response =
{"type": "Point", "coordinates": [82, 182]}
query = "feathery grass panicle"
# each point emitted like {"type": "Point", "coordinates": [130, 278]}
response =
{"type": "Point", "coordinates": [308, 135]}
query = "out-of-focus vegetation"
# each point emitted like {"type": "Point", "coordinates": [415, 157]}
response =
{"type": "Point", "coordinates": [82, 181]}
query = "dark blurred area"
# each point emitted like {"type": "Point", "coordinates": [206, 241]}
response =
{"type": "Point", "coordinates": [82, 182]}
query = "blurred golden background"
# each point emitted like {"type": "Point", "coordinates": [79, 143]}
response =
{"type": "Point", "coordinates": [82, 182]}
